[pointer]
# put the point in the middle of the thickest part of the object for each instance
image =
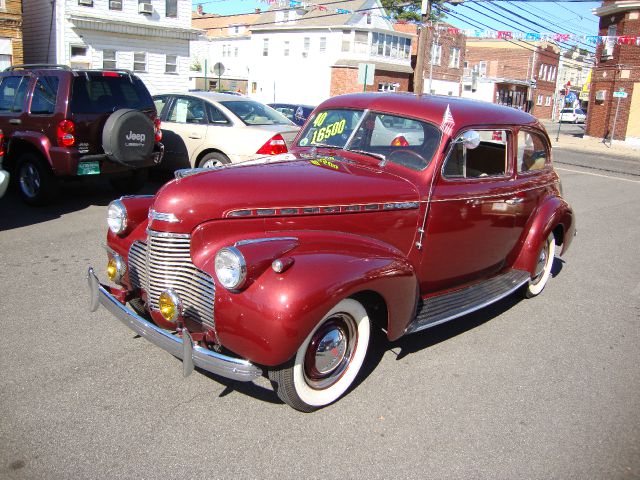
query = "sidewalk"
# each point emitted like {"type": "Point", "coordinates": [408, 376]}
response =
{"type": "Point", "coordinates": [577, 142]}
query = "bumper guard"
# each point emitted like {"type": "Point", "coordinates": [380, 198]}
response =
{"type": "Point", "coordinates": [216, 363]}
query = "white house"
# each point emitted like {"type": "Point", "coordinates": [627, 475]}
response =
{"type": "Point", "coordinates": [149, 37]}
{"type": "Point", "coordinates": [307, 54]}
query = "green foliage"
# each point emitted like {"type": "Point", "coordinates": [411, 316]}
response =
{"type": "Point", "coordinates": [410, 10]}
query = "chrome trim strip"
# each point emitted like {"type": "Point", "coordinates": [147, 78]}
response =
{"type": "Point", "coordinates": [323, 209]}
{"type": "Point", "coordinates": [497, 195]}
{"type": "Point", "coordinates": [261, 240]}
{"type": "Point", "coordinates": [153, 233]}
{"type": "Point", "coordinates": [216, 363]}
{"type": "Point", "coordinates": [162, 216]}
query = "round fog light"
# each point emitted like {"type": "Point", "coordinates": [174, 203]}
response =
{"type": "Point", "coordinates": [115, 268]}
{"type": "Point", "coordinates": [170, 305]}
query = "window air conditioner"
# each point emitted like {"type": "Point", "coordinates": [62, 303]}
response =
{"type": "Point", "coordinates": [601, 95]}
{"type": "Point", "coordinates": [145, 8]}
{"type": "Point", "coordinates": [86, 3]}
{"type": "Point", "coordinates": [115, 5]}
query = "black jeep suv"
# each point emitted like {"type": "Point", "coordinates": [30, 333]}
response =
{"type": "Point", "coordinates": [60, 123]}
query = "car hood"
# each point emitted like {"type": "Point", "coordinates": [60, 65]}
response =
{"type": "Point", "coordinates": [277, 189]}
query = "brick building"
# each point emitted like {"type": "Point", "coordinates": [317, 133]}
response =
{"type": "Point", "coordinates": [513, 73]}
{"type": "Point", "coordinates": [11, 52]}
{"type": "Point", "coordinates": [617, 69]}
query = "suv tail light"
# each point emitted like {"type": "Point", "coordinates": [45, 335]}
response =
{"type": "Point", "coordinates": [156, 127]}
{"type": "Point", "coordinates": [274, 146]}
{"type": "Point", "coordinates": [65, 133]}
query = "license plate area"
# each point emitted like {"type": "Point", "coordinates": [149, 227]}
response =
{"type": "Point", "coordinates": [89, 168]}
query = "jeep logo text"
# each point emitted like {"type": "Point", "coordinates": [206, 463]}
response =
{"type": "Point", "coordinates": [135, 136]}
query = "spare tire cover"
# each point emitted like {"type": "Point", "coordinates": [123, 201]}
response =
{"type": "Point", "coordinates": [128, 137]}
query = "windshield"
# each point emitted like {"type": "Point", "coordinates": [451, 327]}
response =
{"type": "Point", "coordinates": [254, 113]}
{"type": "Point", "coordinates": [396, 139]}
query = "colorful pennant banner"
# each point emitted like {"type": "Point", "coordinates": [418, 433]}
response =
{"type": "Point", "coordinates": [473, 33]}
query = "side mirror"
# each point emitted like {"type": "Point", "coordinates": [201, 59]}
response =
{"type": "Point", "coordinates": [469, 139]}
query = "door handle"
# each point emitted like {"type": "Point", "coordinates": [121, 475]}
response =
{"type": "Point", "coordinates": [514, 201]}
{"type": "Point", "coordinates": [195, 136]}
{"type": "Point", "coordinates": [15, 121]}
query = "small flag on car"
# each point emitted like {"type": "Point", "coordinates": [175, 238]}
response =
{"type": "Point", "coordinates": [447, 122]}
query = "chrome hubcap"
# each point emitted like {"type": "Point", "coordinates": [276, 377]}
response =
{"type": "Point", "coordinates": [29, 180]}
{"type": "Point", "coordinates": [211, 164]}
{"type": "Point", "coordinates": [330, 351]}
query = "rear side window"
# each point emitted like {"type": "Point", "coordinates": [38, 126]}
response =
{"type": "Point", "coordinates": [12, 93]}
{"type": "Point", "coordinates": [488, 159]}
{"type": "Point", "coordinates": [532, 152]}
{"type": "Point", "coordinates": [187, 110]}
{"type": "Point", "coordinates": [160, 101]}
{"type": "Point", "coordinates": [103, 94]}
{"type": "Point", "coordinates": [216, 116]}
{"type": "Point", "coordinates": [44, 95]}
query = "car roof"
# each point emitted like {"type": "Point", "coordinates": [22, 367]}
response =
{"type": "Point", "coordinates": [210, 96]}
{"type": "Point", "coordinates": [465, 112]}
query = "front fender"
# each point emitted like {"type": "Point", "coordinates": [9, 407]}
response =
{"type": "Point", "coordinates": [552, 213]}
{"type": "Point", "coordinates": [267, 321]}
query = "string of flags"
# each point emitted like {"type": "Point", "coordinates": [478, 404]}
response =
{"type": "Point", "coordinates": [472, 33]}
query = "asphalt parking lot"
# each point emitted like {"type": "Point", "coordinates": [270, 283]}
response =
{"type": "Point", "coordinates": [545, 388]}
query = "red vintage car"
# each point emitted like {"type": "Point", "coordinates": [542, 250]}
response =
{"type": "Point", "coordinates": [392, 211]}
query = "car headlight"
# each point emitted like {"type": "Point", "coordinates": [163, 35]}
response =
{"type": "Point", "coordinates": [117, 217]}
{"type": "Point", "coordinates": [231, 268]}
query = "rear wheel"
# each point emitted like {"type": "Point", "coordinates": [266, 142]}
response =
{"type": "Point", "coordinates": [328, 361]}
{"type": "Point", "coordinates": [543, 267]}
{"type": "Point", "coordinates": [132, 182]}
{"type": "Point", "coordinates": [35, 180]}
{"type": "Point", "coordinates": [214, 159]}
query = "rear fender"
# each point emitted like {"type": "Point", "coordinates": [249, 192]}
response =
{"type": "Point", "coordinates": [270, 317]}
{"type": "Point", "coordinates": [33, 141]}
{"type": "Point", "coordinates": [553, 214]}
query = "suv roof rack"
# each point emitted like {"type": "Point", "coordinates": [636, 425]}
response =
{"type": "Point", "coordinates": [38, 65]}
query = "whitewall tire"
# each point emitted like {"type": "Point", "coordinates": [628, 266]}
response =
{"type": "Point", "coordinates": [544, 265]}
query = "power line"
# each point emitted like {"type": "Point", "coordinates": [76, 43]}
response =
{"type": "Point", "coordinates": [544, 19]}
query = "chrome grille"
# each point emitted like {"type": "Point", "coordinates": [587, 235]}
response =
{"type": "Point", "coordinates": [165, 262]}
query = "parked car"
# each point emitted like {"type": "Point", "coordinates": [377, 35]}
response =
{"type": "Point", "coordinates": [297, 113]}
{"type": "Point", "coordinates": [207, 129]}
{"type": "Point", "coordinates": [61, 123]}
{"type": "Point", "coordinates": [285, 266]}
{"type": "Point", "coordinates": [573, 115]}
{"type": "Point", "coordinates": [4, 175]}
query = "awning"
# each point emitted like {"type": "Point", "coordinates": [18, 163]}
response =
{"type": "Point", "coordinates": [384, 66]}
{"type": "Point", "coordinates": [89, 22]}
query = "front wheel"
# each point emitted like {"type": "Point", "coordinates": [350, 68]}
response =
{"type": "Point", "coordinates": [543, 267]}
{"type": "Point", "coordinates": [328, 361]}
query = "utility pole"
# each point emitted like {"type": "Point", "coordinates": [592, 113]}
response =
{"type": "Point", "coordinates": [418, 74]}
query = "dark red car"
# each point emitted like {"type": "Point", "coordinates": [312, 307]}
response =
{"type": "Point", "coordinates": [392, 211]}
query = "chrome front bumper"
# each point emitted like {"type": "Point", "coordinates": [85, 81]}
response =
{"type": "Point", "coordinates": [223, 365]}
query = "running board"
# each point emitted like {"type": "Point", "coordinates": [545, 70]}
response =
{"type": "Point", "coordinates": [436, 310]}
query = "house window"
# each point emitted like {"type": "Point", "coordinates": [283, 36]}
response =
{"type": "Point", "coordinates": [84, 3]}
{"type": "Point", "coordinates": [482, 68]}
{"type": "Point", "coordinates": [79, 57]}
{"type": "Point", "coordinates": [388, 87]}
{"type": "Point", "coordinates": [171, 8]}
{"type": "Point", "coordinates": [109, 59]}
{"type": "Point", "coordinates": [361, 42]}
{"type": "Point", "coordinates": [369, 18]}
{"type": "Point", "coordinates": [607, 51]}
{"type": "Point", "coordinates": [454, 58]}
{"type": "Point", "coordinates": [286, 48]}
{"type": "Point", "coordinates": [235, 51]}
{"type": "Point", "coordinates": [5, 61]}
{"type": "Point", "coordinates": [171, 64]}
{"type": "Point", "coordinates": [547, 101]}
{"type": "Point", "coordinates": [436, 54]}
{"type": "Point", "coordinates": [115, 4]}
{"type": "Point", "coordinates": [346, 40]}
{"type": "Point", "coordinates": [305, 48]}
{"type": "Point", "coordinates": [140, 61]}
{"type": "Point", "coordinates": [540, 98]}
{"type": "Point", "coordinates": [265, 47]}
{"type": "Point", "coordinates": [323, 44]}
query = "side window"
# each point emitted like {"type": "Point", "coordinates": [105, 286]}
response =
{"type": "Point", "coordinates": [532, 152]}
{"type": "Point", "coordinates": [12, 93]}
{"type": "Point", "coordinates": [488, 159]}
{"type": "Point", "coordinates": [44, 95]}
{"type": "Point", "coordinates": [216, 116]}
{"type": "Point", "coordinates": [160, 102]}
{"type": "Point", "coordinates": [187, 110]}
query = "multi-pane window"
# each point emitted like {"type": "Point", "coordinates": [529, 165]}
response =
{"type": "Point", "coordinates": [547, 101]}
{"type": "Point", "coordinates": [171, 8]}
{"type": "Point", "coordinates": [115, 4]}
{"type": "Point", "coordinates": [171, 64]}
{"type": "Point", "coordinates": [436, 54]}
{"type": "Point", "coordinates": [109, 59]}
{"type": "Point", "coordinates": [540, 99]}
{"type": "Point", "coordinates": [323, 44]}
{"type": "Point", "coordinates": [265, 47]}
{"type": "Point", "coordinates": [454, 58]}
{"type": "Point", "coordinates": [482, 67]}
{"type": "Point", "coordinates": [346, 40]}
{"type": "Point", "coordinates": [286, 48]}
{"type": "Point", "coordinates": [140, 61]}
{"type": "Point", "coordinates": [361, 42]}
{"type": "Point", "coordinates": [388, 45]}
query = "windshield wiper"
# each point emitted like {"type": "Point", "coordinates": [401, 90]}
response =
{"type": "Point", "coordinates": [380, 156]}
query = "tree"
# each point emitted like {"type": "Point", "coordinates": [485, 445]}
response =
{"type": "Point", "coordinates": [410, 10]}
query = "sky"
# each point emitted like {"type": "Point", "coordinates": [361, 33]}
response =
{"type": "Point", "coordinates": [552, 17]}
